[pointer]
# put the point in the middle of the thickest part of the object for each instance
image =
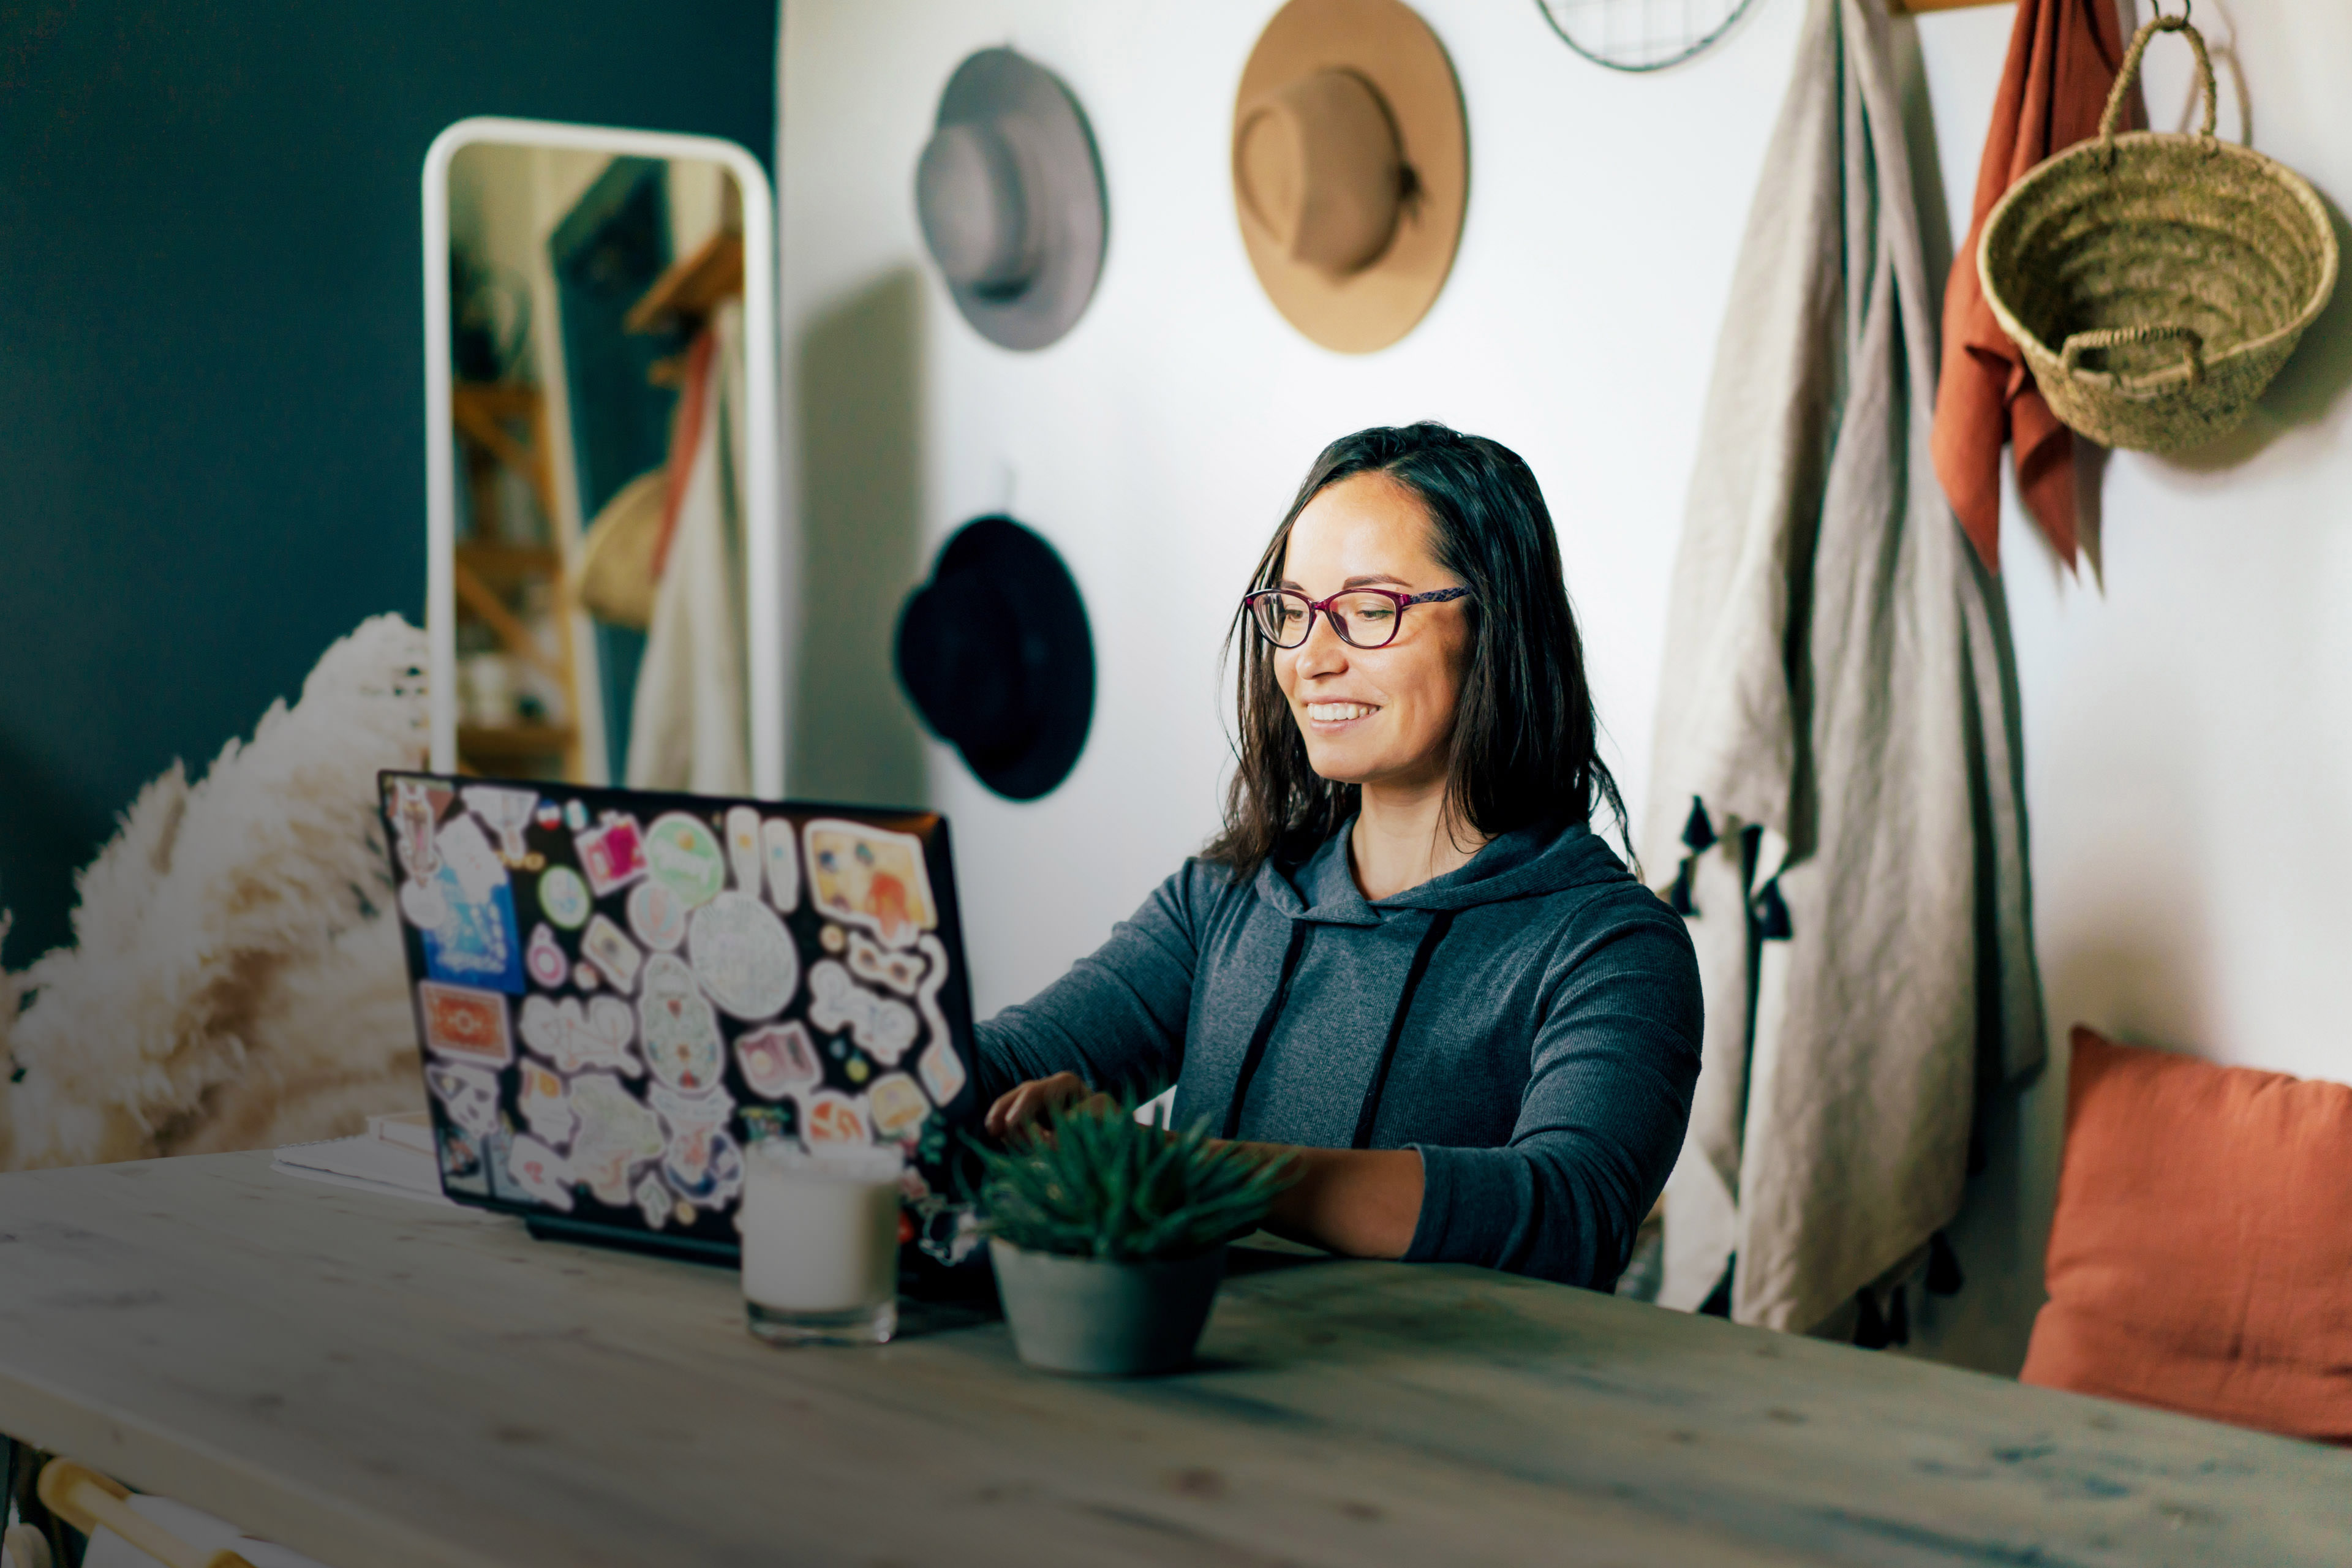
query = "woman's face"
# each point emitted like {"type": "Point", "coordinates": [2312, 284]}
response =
{"type": "Point", "coordinates": [1380, 717]}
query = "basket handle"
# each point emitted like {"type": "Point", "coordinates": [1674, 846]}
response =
{"type": "Point", "coordinates": [2077, 344]}
{"type": "Point", "coordinates": [2113, 113]}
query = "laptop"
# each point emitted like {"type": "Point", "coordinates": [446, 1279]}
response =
{"type": "Point", "coordinates": [620, 991]}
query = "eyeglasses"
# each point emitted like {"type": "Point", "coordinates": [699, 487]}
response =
{"type": "Point", "coordinates": [1364, 617]}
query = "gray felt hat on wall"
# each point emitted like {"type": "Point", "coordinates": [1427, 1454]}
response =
{"type": "Point", "coordinates": [1009, 195]}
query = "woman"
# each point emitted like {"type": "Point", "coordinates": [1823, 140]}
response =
{"type": "Point", "coordinates": [1407, 957]}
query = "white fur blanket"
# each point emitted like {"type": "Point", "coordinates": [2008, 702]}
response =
{"type": "Point", "coordinates": [237, 979]}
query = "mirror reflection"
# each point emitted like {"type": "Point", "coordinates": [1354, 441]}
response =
{"type": "Point", "coordinates": [599, 414]}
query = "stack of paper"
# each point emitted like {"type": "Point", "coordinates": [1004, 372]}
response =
{"type": "Point", "coordinates": [393, 1155]}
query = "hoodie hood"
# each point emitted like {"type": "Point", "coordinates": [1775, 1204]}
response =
{"type": "Point", "coordinates": [1540, 858]}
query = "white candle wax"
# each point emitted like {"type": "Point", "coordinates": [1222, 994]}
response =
{"type": "Point", "coordinates": [820, 1231]}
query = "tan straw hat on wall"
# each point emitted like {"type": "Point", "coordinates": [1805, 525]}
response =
{"type": "Point", "coordinates": [1351, 168]}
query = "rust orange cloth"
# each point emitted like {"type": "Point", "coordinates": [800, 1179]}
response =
{"type": "Point", "coordinates": [2201, 1259]}
{"type": "Point", "coordinates": [2062, 56]}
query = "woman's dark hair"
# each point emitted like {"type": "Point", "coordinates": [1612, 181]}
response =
{"type": "Point", "coordinates": [1523, 747]}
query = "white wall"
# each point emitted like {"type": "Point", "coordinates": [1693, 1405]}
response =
{"type": "Point", "coordinates": [2190, 745]}
{"type": "Point", "coordinates": [2188, 706]}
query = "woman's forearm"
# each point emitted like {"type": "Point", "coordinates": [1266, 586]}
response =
{"type": "Point", "coordinates": [1363, 1203]}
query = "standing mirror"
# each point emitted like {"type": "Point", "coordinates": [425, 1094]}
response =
{"type": "Point", "coordinates": [604, 570]}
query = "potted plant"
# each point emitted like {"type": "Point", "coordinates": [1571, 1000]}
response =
{"type": "Point", "coordinates": [1108, 1236]}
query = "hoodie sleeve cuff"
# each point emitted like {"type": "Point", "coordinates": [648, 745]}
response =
{"type": "Point", "coordinates": [1467, 1203]}
{"type": "Point", "coordinates": [1504, 1208]}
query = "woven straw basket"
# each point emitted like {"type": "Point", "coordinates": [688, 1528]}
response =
{"type": "Point", "coordinates": [2175, 273]}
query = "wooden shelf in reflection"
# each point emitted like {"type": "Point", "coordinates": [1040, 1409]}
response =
{"type": "Point", "coordinates": [692, 287]}
{"type": "Point", "coordinates": [503, 424]}
{"type": "Point", "coordinates": [505, 564]}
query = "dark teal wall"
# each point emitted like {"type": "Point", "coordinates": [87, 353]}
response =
{"type": "Point", "coordinates": [211, 383]}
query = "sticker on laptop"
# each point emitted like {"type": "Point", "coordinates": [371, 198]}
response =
{"type": "Point", "coordinates": [872, 878]}
{"type": "Point", "coordinates": [576, 1035]}
{"type": "Point", "coordinates": [461, 1162]}
{"type": "Point", "coordinates": [507, 812]}
{"type": "Point", "coordinates": [892, 967]}
{"type": "Point", "coordinates": [830, 1118]}
{"type": "Point", "coordinates": [617, 1134]}
{"type": "Point", "coordinates": [897, 1107]}
{"type": "Point", "coordinates": [468, 939]}
{"type": "Point", "coordinates": [612, 952]}
{"type": "Point", "coordinates": [766, 1123]}
{"type": "Point", "coordinates": [678, 1030]}
{"type": "Point", "coordinates": [682, 1114]}
{"type": "Point", "coordinates": [777, 1061]}
{"type": "Point", "coordinates": [780, 848]}
{"type": "Point", "coordinates": [423, 904]}
{"type": "Point", "coordinates": [943, 1072]}
{"type": "Point", "coordinates": [546, 1105]}
{"type": "Point", "coordinates": [540, 1172]}
{"type": "Point", "coordinates": [657, 916]}
{"type": "Point", "coordinates": [563, 898]}
{"type": "Point", "coordinates": [683, 855]}
{"type": "Point", "coordinates": [469, 1095]}
{"type": "Point", "coordinates": [653, 1201]}
{"type": "Point", "coordinates": [882, 1027]}
{"type": "Point", "coordinates": [700, 1163]}
{"type": "Point", "coordinates": [460, 1021]}
{"type": "Point", "coordinates": [743, 956]}
{"type": "Point", "coordinates": [927, 990]}
{"type": "Point", "coordinates": [545, 959]}
{"type": "Point", "coordinates": [707, 1171]}
{"type": "Point", "coordinates": [414, 814]}
{"type": "Point", "coordinates": [467, 854]}
{"type": "Point", "coordinates": [743, 847]}
{"type": "Point", "coordinates": [612, 853]}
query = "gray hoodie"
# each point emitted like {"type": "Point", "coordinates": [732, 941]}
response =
{"type": "Point", "coordinates": [1529, 1023]}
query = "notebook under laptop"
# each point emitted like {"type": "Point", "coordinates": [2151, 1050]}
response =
{"type": "Point", "coordinates": [617, 991]}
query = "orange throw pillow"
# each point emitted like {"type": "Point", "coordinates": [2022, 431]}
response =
{"type": "Point", "coordinates": [2201, 1259]}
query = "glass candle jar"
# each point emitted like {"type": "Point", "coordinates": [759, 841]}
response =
{"type": "Point", "coordinates": [821, 1245]}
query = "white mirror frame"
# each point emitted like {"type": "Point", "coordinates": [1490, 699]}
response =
{"type": "Point", "coordinates": [764, 513]}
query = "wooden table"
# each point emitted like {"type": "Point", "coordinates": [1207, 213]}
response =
{"type": "Point", "coordinates": [376, 1381]}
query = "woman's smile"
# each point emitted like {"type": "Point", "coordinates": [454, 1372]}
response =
{"type": "Point", "coordinates": [1332, 717]}
{"type": "Point", "coordinates": [1380, 717]}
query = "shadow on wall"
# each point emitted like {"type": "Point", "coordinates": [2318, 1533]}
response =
{"type": "Point", "coordinates": [854, 738]}
{"type": "Point", "coordinates": [2140, 977]}
{"type": "Point", "coordinates": [2307, 387]}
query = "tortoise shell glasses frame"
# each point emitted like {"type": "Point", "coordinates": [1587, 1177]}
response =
{"type": "Point", "coordinates": [1364, 617]}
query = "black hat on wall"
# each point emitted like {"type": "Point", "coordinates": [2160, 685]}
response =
{"type": "Point", "coordinates": [1009, 195]}
{"type": "Point", "coordinates": [994, 653]}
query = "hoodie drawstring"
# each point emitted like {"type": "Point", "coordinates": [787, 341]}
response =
{"type": "Point", "coordinates": [1252, 1058]}
{"type": "Point", "coordinates": [1299, 931]}
{"type": "Point", "coordinates": [1438, 927]}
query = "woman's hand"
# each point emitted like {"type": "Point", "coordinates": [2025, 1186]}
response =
{"type": "Point", "coordinates": [1032, 1103]}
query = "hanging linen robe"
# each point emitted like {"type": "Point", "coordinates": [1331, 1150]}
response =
{"type": "Point", "coordinates": [1835, 785]}
{"type": "Point", "coordinates": [689, 729]}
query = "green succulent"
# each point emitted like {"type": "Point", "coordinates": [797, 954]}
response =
{"type": "Point", "coordinates": [1096, 1183]}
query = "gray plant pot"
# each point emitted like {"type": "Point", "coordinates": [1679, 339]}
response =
{"type": "Point", "coordinates": [1105, 1320]}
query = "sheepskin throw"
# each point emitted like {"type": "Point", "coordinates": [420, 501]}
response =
{"type": "Point", "coordinates": [237, 979]}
